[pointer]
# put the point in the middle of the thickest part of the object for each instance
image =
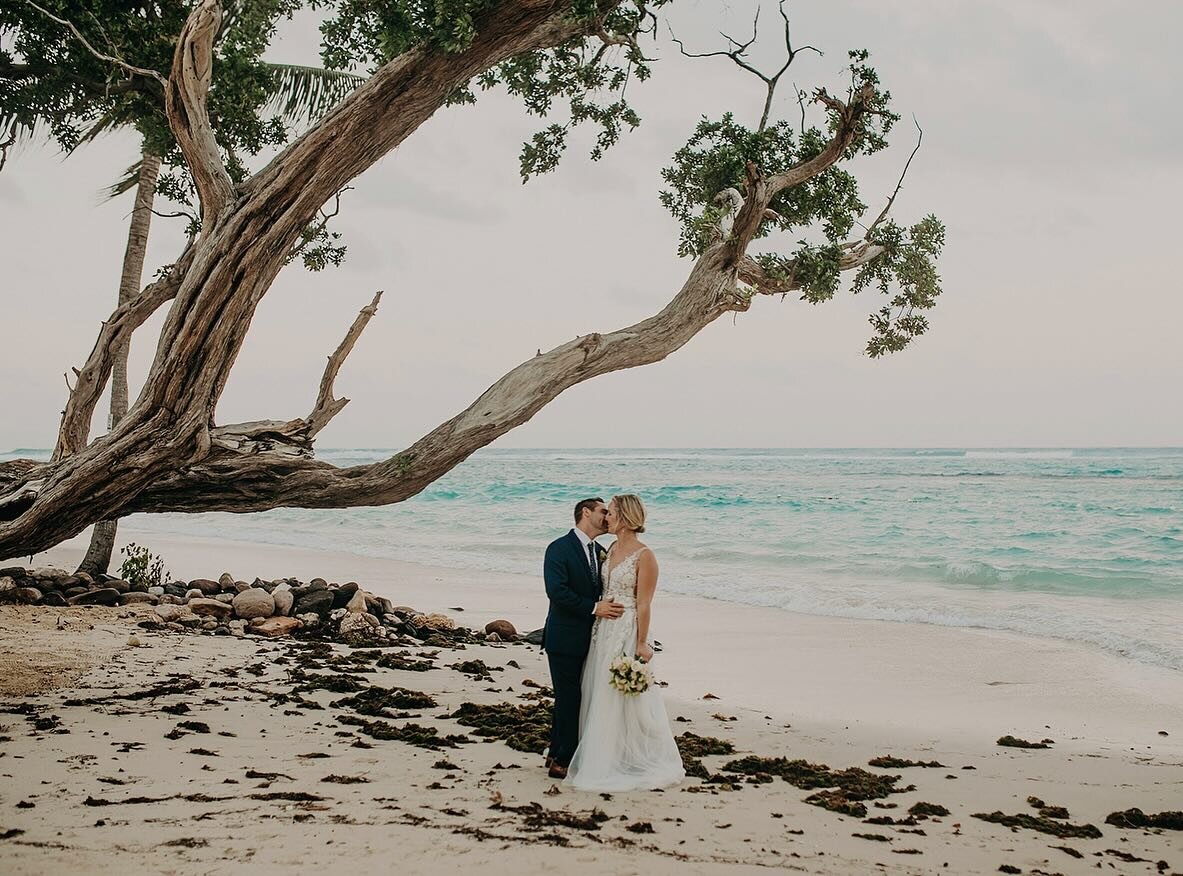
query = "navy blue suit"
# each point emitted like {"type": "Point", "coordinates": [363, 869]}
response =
{"type": "Point", "coordinates": [573, 590]}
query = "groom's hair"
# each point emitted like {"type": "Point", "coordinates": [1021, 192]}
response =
{"type": "Point", "coordinates": [585, 503]}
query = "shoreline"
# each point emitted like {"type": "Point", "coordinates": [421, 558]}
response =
{"type": "Point", "coordinates": [241, 769]}
{"type": "Point", "coordinates": [975, 673]}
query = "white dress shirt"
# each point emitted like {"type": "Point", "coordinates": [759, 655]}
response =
{"type": "Point", "coordinates": [584, 541]}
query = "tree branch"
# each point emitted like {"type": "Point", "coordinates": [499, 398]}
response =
{"type": "Point", "coordinates": [899, 185]}
{"type": "Point", "coordinates": [326, 406]}
{"type": "Point", "coordinates": [185, 102]}
{"type": "Point", "coordinates": [119, 62]}
{"type": "Point", "coordinates": [116, 331]}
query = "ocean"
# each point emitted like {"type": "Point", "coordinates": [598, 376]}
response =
{"type": "Point", "coordinates": [1077, 544]}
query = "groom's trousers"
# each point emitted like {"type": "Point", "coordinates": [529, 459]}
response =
{"type": "Point", "coordinates": [566, 675]}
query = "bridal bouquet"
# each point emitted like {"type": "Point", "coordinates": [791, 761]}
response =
{"type": "Point", "coordinates": [629, 675]}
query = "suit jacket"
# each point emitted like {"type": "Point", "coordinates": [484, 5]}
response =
{"type": "Point", "coordinates": [573, 592]}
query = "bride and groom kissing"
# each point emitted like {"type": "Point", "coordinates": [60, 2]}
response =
{"type": "Point", "coordinates": [603, 739]}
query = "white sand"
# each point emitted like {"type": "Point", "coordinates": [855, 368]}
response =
{"type": "Point", "coordinates": [823, 689]}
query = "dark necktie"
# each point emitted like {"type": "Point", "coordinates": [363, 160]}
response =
{"type": "Point", "coordinates": [591, 556]}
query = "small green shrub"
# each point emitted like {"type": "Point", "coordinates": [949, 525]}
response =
{"type": "Point", "coordinates": [142, 566]}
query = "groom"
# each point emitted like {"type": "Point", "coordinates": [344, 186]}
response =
{"type": "Point", "coordinates": [572, 573]}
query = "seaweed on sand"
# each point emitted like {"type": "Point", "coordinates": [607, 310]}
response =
{"type": "Point", "coordinates": [1136, 818]}
{"type": "Point", "coordinates": [413, 734]}
{"type": "Point", "coordinates": [1015, 742]}
{"type": "Point", "coordinates": [338, 682]}
{"type": "Point", "coordinates": [521, 727]}
{"type": "Point", "coordinates": [537, 817]}
{"type": "Point", "coordinates": [702, 746]}
{"type": "Point", "coordinates": [1062, 829]}
{"type": "Point", "coordinates": [927, 810]}
{"type": "Point", "coordinates": [692, 747]}
{"type": "Point", "coordinates": [402, 660]}
{"type": "Point", "coordinates": [853, 785]}
{"type": "Point", "coordinates": [378, 701]}
{"type": "Point", "coordinates": [888, 762]}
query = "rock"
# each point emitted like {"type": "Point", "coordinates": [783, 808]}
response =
{"type": "Point", "coordinates": [343, 594]}
{"type": "Point", "coordinates": [534, 637]}
{"type": "Point", "coordinates": [159, 591]}
{"type": "Point", "coordinates": [194, 593]}
{"type": "Point", "coordinates": [284, 600]}
{"type": "Point", "coordinates": [493, 637]}
{"type": "Point", "coordinates": [273, 627]}
{"type": "Point", "coordinates": [337, 613]}
{"type": "Point", "coordinates": [503, 628]}
{"type": "Point", "coordinates": [255, 621]}
{"type": "Point", "coordinates": [176, 588]}
{"type": "Point", "coordinates": [316, 601]}
{"type": "Point", "coordinates": [150, 622]}
{"type": "Point", "coordinates": [358, 623]}
{"type": "Point", "coordinates": [171, 613]}
{"type": "Point", "coordinates": [137, 599]}
{"type": "Point", "coordinates": [221, 630]}
{"type": "Point", "coordinates": [209, 624]}
{"type": "Point", "coordinates": [52, 598]}
{"type": "Point", "coordinates": [240, 586]}
{"type": "Point", "coordinates": [405, 611]}
{"type": "Point", "coordinates": [134, 641]}
{"type": "Point", "coordinates": [434, 622]}
{"type": "Point", "coordinates": [76, 591]}
{"type": "Point", "coordinates": [227, 598]}
{"type": "Point", "coordinates": [7, 582]}
{"type": "Point", "coordinates": [226, 581]}
{"type": "Point", "coordinates": [322, 584]}
{"type": "Point", "coordinates": [310, 619]}
{"type": "Point", "coordinates": [141, 587]}
{"type": "Point", "coordinates": [43, 573]}
{"type": "Point", "coordinates": [169, 599]}
{"type": "Point", "coordinates": [210, 608]}
{"type": "Point", "coordinates": [22, 595]}
{"type": "Point", "coordinates": [70, 581]}
{"type": "Point", "coordinates": [206, 586]}
{"type": "Point", "coordinates": [102, 596]}
{"type": "Point", "coordinates": [87, 579]}
{"type": "Point", "coordinates": [357, 604]}
{"type": "Point", "coordinates": [379, 606]}
{"type": "Point", "coordinates": [120, 585]}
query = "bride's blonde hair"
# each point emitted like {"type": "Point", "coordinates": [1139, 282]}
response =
{"type": "Point", "coordinates": [630, 511]}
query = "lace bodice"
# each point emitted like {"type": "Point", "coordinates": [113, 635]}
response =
{"type": "Point", "coordinates": [621, 583]}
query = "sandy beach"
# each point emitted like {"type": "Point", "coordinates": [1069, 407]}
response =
{"type": "Point", "coordinates": [237, 761]}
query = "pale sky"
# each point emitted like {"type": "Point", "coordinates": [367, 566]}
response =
{"type": "Point", "coordinates": [1051, 152]}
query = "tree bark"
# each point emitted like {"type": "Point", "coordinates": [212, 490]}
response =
{"type": "Point", "coordinates": [102, 539]}
{"type": "Point", "coordinates": [167, 454]}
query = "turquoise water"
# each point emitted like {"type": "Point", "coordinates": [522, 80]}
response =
{"type": "Point", "coordinates": [1078, 544]}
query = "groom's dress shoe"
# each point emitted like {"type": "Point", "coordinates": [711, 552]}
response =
{"type": "Point", "coordinates": [550, 762]}
{"type": "Point", "coordinates": [557, 771]}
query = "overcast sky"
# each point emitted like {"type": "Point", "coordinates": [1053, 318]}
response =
{"type": "Point", "coordinates": [1051, 152]}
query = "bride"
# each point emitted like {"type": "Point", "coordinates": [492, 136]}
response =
{"type": "Point", "coordinates": [625, 742]}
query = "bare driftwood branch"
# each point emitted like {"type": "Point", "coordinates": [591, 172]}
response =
{"type": "Point", "coordinates": [188, 116]}
{"type": "Point", "coordinates": [739, 50]}
{"type": "Point", "coordinates": [326, 406]}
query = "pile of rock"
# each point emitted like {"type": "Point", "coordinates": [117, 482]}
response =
{"type": "Point", "coordinates": [230, 607]}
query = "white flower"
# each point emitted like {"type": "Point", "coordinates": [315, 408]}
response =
{"type": "Point", "coordinates": [629, 675]}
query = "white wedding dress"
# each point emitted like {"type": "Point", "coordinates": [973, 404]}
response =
{"type": "Point", "coordinates": [625, 741]}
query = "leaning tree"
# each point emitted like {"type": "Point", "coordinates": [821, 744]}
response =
{"type": "Point", "coordinates": [64, 87]}
{"type": "Point", "coordinates": [729, 186]}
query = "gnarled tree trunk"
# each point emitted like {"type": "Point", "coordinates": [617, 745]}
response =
{"type": "Point", "coordinates": [167, 454]}
{"type": "Point", "coordinates": [102, 538]}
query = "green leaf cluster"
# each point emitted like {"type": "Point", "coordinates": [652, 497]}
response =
{"type": "Point", "coordinates": [142, 567]}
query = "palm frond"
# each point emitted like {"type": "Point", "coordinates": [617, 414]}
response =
{"type": "Point", "coordinates": [303, 95]}
{"type": "Point", "coordinates": [129, 180]}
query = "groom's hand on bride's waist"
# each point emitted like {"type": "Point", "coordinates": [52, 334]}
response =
{"type": "Point", "coordinates": [608, 608]}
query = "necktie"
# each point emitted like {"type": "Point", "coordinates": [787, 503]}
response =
{"type": "Point", "coordinates": [591, 556]}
